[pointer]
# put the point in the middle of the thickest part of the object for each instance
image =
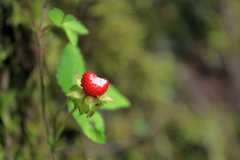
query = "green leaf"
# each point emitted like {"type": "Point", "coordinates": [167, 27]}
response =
{"type": "Point", "coordinates": [56, 15]}
{"type": "Point", "coordinates": [69, 18]}
{"type": "Point", "coordinates": [105, 98]}
{"type": "Point", "coordinates": [120, 101]}
{"type": "Point", "coordinates": [76, 26]}
{"type": "Point", "coordinates": [71, 60]}
{"type": "Point", "coordinates": [92, 127]}
{"type": "Point", "coordinates": [69, 24]}
{"type": "Point", "coordinates": [77, 93]}
{"type": "Point", "coordinates": [98, 122]}
{"type": "Point", "coordinates": [82, 107]}
{"type": "Point", "coordinates": [72, 36]}
{"type": "Point", "coordinates": [72, 27]}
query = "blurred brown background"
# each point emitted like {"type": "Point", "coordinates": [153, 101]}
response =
{"type": "Point", "coordinates": [176, 60]}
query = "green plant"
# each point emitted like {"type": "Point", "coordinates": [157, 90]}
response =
{"type": "Point", "coordinates": [71, 62]}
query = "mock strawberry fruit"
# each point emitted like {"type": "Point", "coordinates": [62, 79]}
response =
{"type": "Point", "coordinates": [93, 85]}
{"type": "Point", "coordinates": [88, 93]}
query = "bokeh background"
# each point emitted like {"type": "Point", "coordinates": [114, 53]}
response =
{"type": "Point", "coordinates": [176, 60]}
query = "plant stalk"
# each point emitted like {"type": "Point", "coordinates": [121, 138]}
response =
{"type": "Point", "coordinates": [55, 117]}
{"type": "Point", "coordinates": [38, 36]}
{"type": "Point", "coordinates": [63, 126]}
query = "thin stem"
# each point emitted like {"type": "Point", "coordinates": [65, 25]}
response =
{"type": "Point", "coordinates": [31, 14]}
{"type": "Point", "coordinates": [40, 47]}
{"type": "Point", "coordinates": [43, 14]}
{"type": "Point", "coordinates": [40, 58]}
{"type": "Point", "coordinates": [56, 115]}
{"type": "Point", "coordinates": [63, 126]}
{"type": "Point", "coordinates": [41, 66]}
{"type": "Point", "coordinates": [46, 27]}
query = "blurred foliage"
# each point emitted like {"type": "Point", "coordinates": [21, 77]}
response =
{"type": "Point", "coordinates": [177, 62]}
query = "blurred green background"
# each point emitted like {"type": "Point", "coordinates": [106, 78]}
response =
{"type": "Point", "coordinates": [176, 60]}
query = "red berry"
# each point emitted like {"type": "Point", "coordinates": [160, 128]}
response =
{"type": "Point", "coordinates": [93, 85]}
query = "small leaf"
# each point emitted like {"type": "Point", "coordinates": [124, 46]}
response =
{"type": "Point", "coordinates": [76, 93]}
{"type": "Point", "coordinates": [72, 36]}
{"type": "Point", "coordinates": [105, 98]}
{"type": "Point", "coordinates": [120, 101]}
{"type": "Point", "coordinates": [72, 27]}
{"type": "Point", "coordinates": [69, 18]}
{"type": "Point", "coordinates": [75, 88]}
{"type": "Point", "coordinates": [69, 24]}
{"type": "Point", "coordinates": [56, 15]}
{"type": "Point", "coordinates": [76, 26]}
{"type": "Point", "coordinates": [82, 107]}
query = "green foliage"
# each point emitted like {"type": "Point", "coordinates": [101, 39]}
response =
{"type": "Point", "coordinates": [56, 15]}
{"type": "Point", "coordinates": [92, 127]}
{"type": "Point", "coordinates": [71, 61]}
{"type": "Point", "coordinates": [69, 24]}
{"type": "Point", "coordinates": [72, 23]}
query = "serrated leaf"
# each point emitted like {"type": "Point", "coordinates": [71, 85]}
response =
{"type": "Point", "coordinates": [69, 24]}
{"type": "Point", "coordinates": [72, 36]}
{"type": "Point", "coordinates": [69, 18]}
{"type": "Point", "coordinates": [94, 132]}
{"type": "Point", "coordinates": [120, 101]}
{"type": "Point", "coordinates": [72, 27]}
{"type": "Point", "coordinates": [56, 15]}
{"type": "Point", "coordinates": [76, 26]}
{"type": "Point", "coordinates": [71, 60]}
